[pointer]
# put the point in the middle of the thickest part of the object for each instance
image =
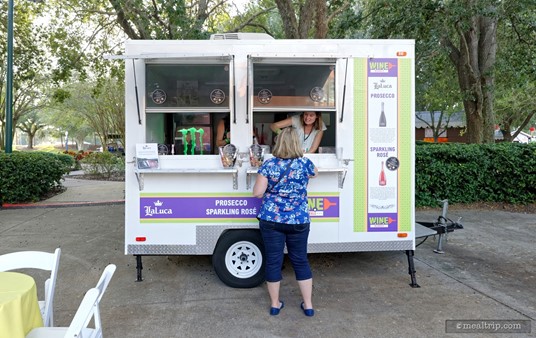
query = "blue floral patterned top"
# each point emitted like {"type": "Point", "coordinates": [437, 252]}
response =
{"type": "Point", "coordinates": [286, 201]}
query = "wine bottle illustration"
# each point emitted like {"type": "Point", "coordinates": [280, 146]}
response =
{"type": "Point", "coordinates": [382, 180]}
{"type": "Point", "coordinates": [383, 121]}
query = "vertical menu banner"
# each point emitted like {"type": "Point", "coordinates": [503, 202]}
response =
{"type": "Point", "coordinates": [382, 141]}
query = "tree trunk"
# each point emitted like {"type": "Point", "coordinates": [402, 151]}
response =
{"type": "Point", "coordinates": [30, 140]}
{"type": "Point", "coordinates": [474, 59]}
{"type": "Point", "coordinates": [507, 136]}
{"type": "Point", "coordinates": [473, 115]}
{"type": "Point", "coordinates": [311, 21]}
{"type": "Point", "coordinates": [288, 16]}
{"type": "Point", "coordinates": [321, 19]}
{"type": "Point", "coordinates": [487, 50]}
{"type": "Point", "coordinates": [525, 122]}
{"type": "Point", "coordinates": [306, 17]}
{"type": "Point", "coordinates": [122, 20]}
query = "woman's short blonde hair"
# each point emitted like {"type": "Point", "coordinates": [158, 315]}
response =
{"type": "Point", "coordinates": [288, 144]}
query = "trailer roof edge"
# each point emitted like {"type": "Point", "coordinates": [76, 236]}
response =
{"type": "Point", "coordinates": [167, 56]}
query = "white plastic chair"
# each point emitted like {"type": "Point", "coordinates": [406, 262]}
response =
{"type": "Point", "coordinates": [79, 325]}
{"type": "Point", "coordinates": [37, 260]}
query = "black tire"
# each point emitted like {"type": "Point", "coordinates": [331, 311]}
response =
{"type": "Point", "coordinates": [238, 258]}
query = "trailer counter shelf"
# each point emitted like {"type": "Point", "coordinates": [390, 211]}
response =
{"type": "Point", "coordinates": [341, 172]}
{"type": "Point", "coordinates": [363, 197]}
{"type": "Point", "coordinates": [140, 173]}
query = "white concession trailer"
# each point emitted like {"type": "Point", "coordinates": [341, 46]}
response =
{"type": "Point", "coordinates": [181, 200]}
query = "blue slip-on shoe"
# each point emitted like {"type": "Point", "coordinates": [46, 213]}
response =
{"type": "Point", "coordinates": [307, 312]}
{"type": "Point", "coordinates": [274, 311]}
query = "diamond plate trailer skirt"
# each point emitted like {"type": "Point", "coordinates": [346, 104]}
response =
{"type": "Point", "coordinates": [207, 237]}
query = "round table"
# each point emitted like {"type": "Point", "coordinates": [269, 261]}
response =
{"type": "Point", "coordinates": [19, 310]}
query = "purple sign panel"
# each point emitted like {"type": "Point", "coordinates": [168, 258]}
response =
{"type": "Point", "coordinates": [383, 67]}
{"type": "Point", "coordinates": [178, 207]}
{"type": "Point", "coordinates": [381, 222]}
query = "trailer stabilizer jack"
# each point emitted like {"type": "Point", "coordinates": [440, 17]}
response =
{"type": "Point", "coordinates": [139, 267]}
{"type": "Point", "coordinates": [411, 269]}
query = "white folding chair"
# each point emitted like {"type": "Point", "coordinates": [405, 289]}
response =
{"type": "Point", "coordinates": [105, 279]}
{"type": "Point", "coordinates": [37, 260]}
{"type": "Point", "coordinates": [102, 284]}
{"type": "Point", "coordinates": [79, 325]}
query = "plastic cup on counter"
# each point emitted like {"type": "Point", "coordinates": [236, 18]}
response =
{"type": "Point", "coordinates": [228, 155]}
{"type": "Point", "coordinates": [256, 155]}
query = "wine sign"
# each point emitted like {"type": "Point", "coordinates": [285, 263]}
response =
{"type": "Point", "coordinates": [382, 154]}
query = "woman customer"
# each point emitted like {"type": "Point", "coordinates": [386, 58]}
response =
{"type": "Point", "coordinates": [284, 216]}
{"type": "Point", "coordinates": [310, 129]}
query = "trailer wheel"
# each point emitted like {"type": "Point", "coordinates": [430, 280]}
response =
{"type": "Point", "coordinates": [238, 258]}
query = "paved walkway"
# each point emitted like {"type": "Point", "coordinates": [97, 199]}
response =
{"type": "Point", "coordinates": [80, 192]}
{"type": "Point", "coordinates": [488, 273]}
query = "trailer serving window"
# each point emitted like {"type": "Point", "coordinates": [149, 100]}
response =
{"type": "Point", "coordinates": [294, 86]}
{"type": "Point", "coordinates": [184, 102]}
{"type": "Point", "coordinates": [284, 87]}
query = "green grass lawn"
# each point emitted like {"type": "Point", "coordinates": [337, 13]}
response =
{"type": "Point", "coordinates": [49, 148]}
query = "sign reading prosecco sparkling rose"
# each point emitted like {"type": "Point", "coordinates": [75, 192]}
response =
{"type": "Point", "coordinates": [382, 140]}
{"type": "Point", "coordinates": [207, 208]}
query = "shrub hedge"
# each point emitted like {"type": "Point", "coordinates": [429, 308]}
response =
{"type": "Point", "coordinates": [28, 176]}
{"type": "Point", "coordinates": [103, 164]}
{"type": "Point", "coordinates": [461, 173]}
{"type": "Point", "coordinates": [466, 173]}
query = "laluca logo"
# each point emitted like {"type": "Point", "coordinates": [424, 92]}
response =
{"type": "Point", "coordinates": [157, 210]}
